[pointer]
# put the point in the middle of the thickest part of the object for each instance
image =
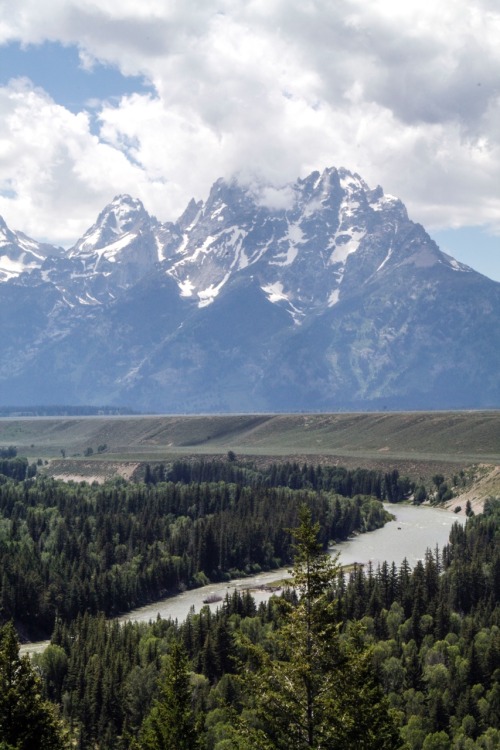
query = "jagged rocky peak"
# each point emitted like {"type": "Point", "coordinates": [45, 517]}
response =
{"type": "Point", "coordinates": [124, 215]}
{"type": "Point", "coordinates": [317, 294]}
{"type": "Point", "coordinates": [229, 204]}
{"type": "Point", "coordinates": [339, 186]}
{"type": "Point", "coordinates": [297, 239]}
{"type": "Point", "coordinates": [18, 240]}
{"type": "Point", "coordinates": [190, 214]}
{"type": "Point", "coordinates": [324, 189]}
{"type": "Point", "coordinates": [5, 232]}
{"type": "Point", "coordinates": [230, 200]}
{"type": "Point", "coordinates": [19, 253]}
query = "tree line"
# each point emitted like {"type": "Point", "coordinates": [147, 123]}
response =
{"type": "Point", "coordinates": [72, 548]}
{"type": "Point", "coordinates": [388, 486]}
{"type": "Point", "coordinates": [410, 658]}
{"type": "Point", "coordinates": [391, 658]}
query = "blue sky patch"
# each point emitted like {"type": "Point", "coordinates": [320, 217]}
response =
{"type": "Point", "coordinates": [57, 69]}
{"type": "Point", "coordinates": [472, 245]}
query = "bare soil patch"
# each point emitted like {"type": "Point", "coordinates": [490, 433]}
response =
{"type": "Point", "coordinates": [90, 471]}
{"type": "Point", "coordinates": [485, 483]}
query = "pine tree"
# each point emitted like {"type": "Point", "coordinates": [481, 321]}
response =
{"type": "Point", "coordinates": [170, 723]}
{"type": "Point", "coordinates": [27, 722]}
{"type": "Point", "coordinates": [318, 689]}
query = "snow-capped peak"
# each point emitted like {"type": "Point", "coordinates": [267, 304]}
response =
{"type": "Point", "coordinates": [123, 216]}
{"type": "Point", "coordinates": [19, 253]}
{"type": "Point", "coordinates": [308, 244]}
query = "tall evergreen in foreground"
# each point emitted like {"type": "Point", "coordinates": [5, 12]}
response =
{"type": "Point", "coordinates": [27, 722]}
{"type": "Point", "coordinates": [316, 690]}
{"type": "Point", "coordinates": [431, 635]}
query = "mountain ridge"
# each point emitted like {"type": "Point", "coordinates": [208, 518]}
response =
{"type": "Point", "coordinates": [320, 295]}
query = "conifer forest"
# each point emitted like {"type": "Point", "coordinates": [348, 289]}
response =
{"type": "Point", "coordinates": [369, 658]}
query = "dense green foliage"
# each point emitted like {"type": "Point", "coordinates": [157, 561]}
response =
{"type": "Point", "coordinates": [244, 662]}
{"type": "Point", "coordinates": [391, 658]}
{"type": "Point", "coordinates": [346, 482]}
{"type": "Point", "coordinates": [431, 636]}
{"type": "Point", "coordinates": [14, 466]}
{"type": "Point", "coordinates": [9, 452]}
{"type": "Point", "coordinates": [72, 548]}
{"type": "Point", "coordinates": [313, 689]}
{"type": "Point", "coordinates": [27, 721]}
{"type": "Point", "coordinates": [170, 722]}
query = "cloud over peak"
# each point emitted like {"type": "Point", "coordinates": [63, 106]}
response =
{"type": "Point", "coordinates": [406, 95]}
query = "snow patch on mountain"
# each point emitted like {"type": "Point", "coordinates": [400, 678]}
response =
{"type": "Point", "coordinates": [120, 222]}
{"type": "Point", "coordinates": [295, 234]}
{"type": "Point", "coordinates": [200, 250]}
{"type": "Point", "coordinates": [126, 210]}
{"type": "Point", "coordinates": [383, 202]}
{"type": "Point", "coordinates": [456, 265]}
{"type": "Point", "coordinates": [89, 241]}
{"type": "Point", "coordinates": [386, 259]}
{"type": "Point", "coordinates": [235, 241]}
{"type": "Point", "coordinates": [274, 292]}
{"type": "Point", "coordinates": [291, 242]}
{"type": "Point", "coordinates": [182, 249]}
{"type": "Point", "coordinates": [216, 259]}
{"type": "Point", "coordinates": [344, 244]}
{"type": "Point", "coordinates": [333, 298]}
{"type": "Point", "coordinates": [260, 252]}
{"type": "Point", "coordinates": [159, 249]}
{"type": "Point", "coordinates": [111, 252]}
{"type": "Point", "coordinates": [217, 214]}
{"type": "Point", "coordinates": [19, 253]}
{"type": "Point", "coordinates": [186, 288]}
{"type": "Point", "coordinates": [207, 296]}
{"type": "Point", "coordinates": [88, 300]}
{"type": "Point", "coordinates": [12, 268]}
{"type": "Point", "coordinates": [30, 246]}
{"type": "Point", "coordinates": [351, 182]}
{"type": "Point", "coordinates": [286, 257]}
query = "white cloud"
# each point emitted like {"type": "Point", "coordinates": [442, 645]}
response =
{"type": "Point", "coordinates": [405, 94]}
{"type": "Point", "coordinates": [55, 173]}
{"type": "Point", "coordinates": [275, 198]}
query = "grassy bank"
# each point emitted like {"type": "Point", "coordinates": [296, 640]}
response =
{"type": "Point", "coordinates": [420, 444]}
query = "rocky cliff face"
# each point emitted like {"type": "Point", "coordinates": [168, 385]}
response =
{"type": "Point", "coordinates": [321, 295]}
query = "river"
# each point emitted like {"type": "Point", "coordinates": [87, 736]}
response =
{"type": "Point", "coordinates": [415, 529]}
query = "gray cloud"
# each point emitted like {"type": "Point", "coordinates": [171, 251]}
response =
{"type": "Point", "coordinates": [268, 90]}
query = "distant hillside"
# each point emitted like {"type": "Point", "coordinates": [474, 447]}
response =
{"type": "Point", "coordinates": [63, 411]}
{"type": "Point", "coordinates": [424, 436]}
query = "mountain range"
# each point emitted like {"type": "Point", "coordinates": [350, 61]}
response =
{"type": "Point", "coordinates": [321, 295]}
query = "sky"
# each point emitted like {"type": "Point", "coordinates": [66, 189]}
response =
{"type": "Point", "coordinates": [159, 98]}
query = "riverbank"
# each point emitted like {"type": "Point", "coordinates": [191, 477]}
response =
{"type": "Point", "coordinates": [484, 483]}
{"type": "Point", "coordinates": [414, 529]}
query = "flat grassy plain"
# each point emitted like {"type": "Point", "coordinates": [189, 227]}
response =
{"type": "Point", "coordinates": [418, 443]}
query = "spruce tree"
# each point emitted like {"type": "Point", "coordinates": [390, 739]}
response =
{"type": "Point", "coordinates": [170, 723]}
{"type": "Point", "coordinates": [27, 722]}
{"type": "Point", "coordinates": [318, 689]}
